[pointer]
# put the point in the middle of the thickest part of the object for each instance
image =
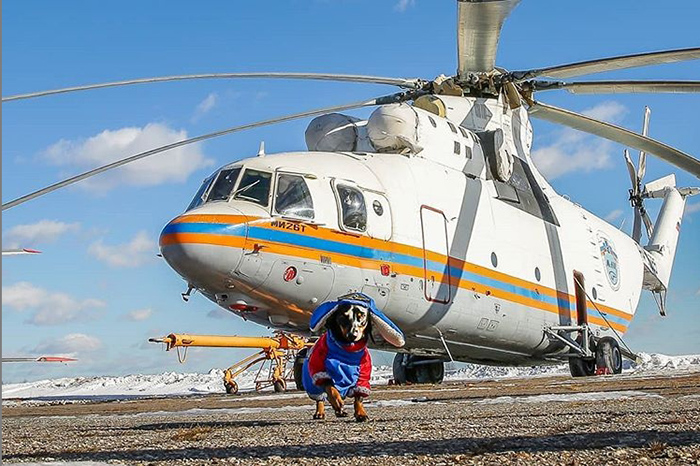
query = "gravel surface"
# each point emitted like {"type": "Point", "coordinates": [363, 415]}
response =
{"type": "Point", "coordinates": [554, 420]}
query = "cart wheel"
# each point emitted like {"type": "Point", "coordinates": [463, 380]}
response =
{"type": "Point", "coordinates": [231, 387]}
{"type": "Point", "coordinates": [280, 386]}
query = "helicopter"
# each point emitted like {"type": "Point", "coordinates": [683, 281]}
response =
{"type": "Point", "coordinates": [490, 265]}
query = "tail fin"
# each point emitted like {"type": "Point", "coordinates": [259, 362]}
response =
{"type": "Point", "coordinates": [661, 250]}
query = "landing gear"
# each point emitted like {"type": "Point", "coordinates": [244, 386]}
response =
{"type": "Point", "coordinates": [299, 367]}
{"type": "Point", "coordinates": [580, 367]}
{"type": "Point", "coordinates": [408, 368]}
{"type": "Point", "coordinates": [608, 357]}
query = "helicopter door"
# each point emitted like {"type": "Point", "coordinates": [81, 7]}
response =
{"type": "Point", "coordinates": [435, 255]}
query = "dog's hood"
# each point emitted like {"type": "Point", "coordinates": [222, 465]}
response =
{"type": "Point", "coordinates": [387, 329]}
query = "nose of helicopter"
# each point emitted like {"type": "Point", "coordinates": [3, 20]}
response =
{"type": "Point", "coordinates": [205, 248]}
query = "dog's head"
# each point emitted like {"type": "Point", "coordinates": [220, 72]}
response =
{"type": "Point", "coordinates": [349, 323]}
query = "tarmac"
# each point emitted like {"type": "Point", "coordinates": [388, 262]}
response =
{"type": "Point", "coordinates": [623, 419]}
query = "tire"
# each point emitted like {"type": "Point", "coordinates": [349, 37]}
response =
{"type": "Point", "coordinates": [608, 355]}
{"type": "Point", "coordinates": [399, 369]}
{"type": "Point", "coordinates": [279, 386]}
{"type": "Point", "coordinates": [231, 387]}
{"type": "Point", "coordinates": [580, 367]}
{"type": "Point", "coordinates": [430, 373]}
{"type": "Point", "coordinates": [299, 367]}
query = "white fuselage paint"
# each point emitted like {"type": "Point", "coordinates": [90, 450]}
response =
{"type": "Point", "coordinates": [517, 269]}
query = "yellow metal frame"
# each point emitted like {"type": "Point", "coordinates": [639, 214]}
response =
{"type": "Point", "coordinates": [279, 349]}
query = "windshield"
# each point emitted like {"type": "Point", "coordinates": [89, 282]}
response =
{"type": "Point", "coordinates": [293, 197]}
{"type": "Point", "coordinates": [224, 184]}
{"type": "Point", "coordinates": [254, 187]}
{"type": "Point", "coordinates": [199, 197]}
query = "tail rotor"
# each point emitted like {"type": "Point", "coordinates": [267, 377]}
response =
{"type": "Point", "coordinates": [638, 193]}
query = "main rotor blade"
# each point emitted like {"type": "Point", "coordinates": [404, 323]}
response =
{"type": "Point", "coordinates": [619, 87]}
{"type": "Point", "coordinates": [478, 30]}
{"type": "Point", "coordinates": [406, 83]}
{"type": "Point", "coordinates": [610, 64]}
{"type": "Point", "coordinates": [615, 133]}
{"type": "Point", "coordinates": [400, 97]}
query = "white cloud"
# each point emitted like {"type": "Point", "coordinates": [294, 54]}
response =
{"type": "Point", "coordinates": [31, 234]}
{"type": "Point", "coordinates": [139, 315]}
{"type": "Point", "coordinates": [614, 215]}
{"type": "Point", "coordinates": [141, 249]}
{"type": "Point", "coordinates": [49, 307]}
{"type": "Point", "coordinates": [205, 106]}
{"type": "Point", "coordinates": [172, 166]}
{"type": "Point", "coordinates": [403, 5]}
{"type": "Point", "coordinates": [692, 208]}
{"type": "Point", "coordinates": [573, 150]}
{"type": "Point", "coordinates": [70, 345]}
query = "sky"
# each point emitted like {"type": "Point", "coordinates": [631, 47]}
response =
{"type": "Point", "coordinates": [98, 291]}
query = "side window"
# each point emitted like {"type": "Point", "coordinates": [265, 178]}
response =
{"type": "Point", "coordinates": [224, 185]}
{"type": "Point", "coordinates": [293, 197]}
{"type": "Point", "coordinates": [199, 197]}
{"type": "Point", "coordinates": [254, 187]}
{"type": "Point", "coordinates": [352, 208]}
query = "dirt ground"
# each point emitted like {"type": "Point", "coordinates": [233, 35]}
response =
{"type": "Point", "coordinates": [553, 420]}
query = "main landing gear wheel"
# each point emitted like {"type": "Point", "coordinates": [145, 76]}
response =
{"type": "Point", "coordinates": [408, 368]}
{"type": "Point", "coordinates": [608, 356]}
{"type": "Point", "coordinates": [231, 387]}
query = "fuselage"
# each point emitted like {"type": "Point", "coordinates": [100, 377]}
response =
{"type": "Point", "coordinates": [457, 259]}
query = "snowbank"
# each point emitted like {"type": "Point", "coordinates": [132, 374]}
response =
{"type": "Point", "coordinates": [174, 383]}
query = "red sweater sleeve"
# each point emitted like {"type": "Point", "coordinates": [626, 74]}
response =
{"type": "Point", "coordinates": [317, 361]}
{"type": "Point", "coordinates": [362, 388]}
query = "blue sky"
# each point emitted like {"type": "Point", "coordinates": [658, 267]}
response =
{"type": "Point", "coordinates": [99, 291]}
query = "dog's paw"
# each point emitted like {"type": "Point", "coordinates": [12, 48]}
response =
{"type": "Point", "coordinates": [319, 416]}
{"type": "Point", "coordinates": [341, 413]}
{"type": "Point", "coordinates": [361, 417]}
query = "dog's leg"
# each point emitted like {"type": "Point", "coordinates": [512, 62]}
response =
{"type": "Point", "coordinates": [320, 410]}
{"type": "Point", "coordinates": [336, 401]}
{"type": "Point", "coordinates": [360, 413]}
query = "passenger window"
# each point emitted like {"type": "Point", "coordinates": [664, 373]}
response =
{"type": "Point", "coordinates": [352, 207]}
{"type": "Point", "coordinates": [452, 127]}
{"type": "Point", "coordinates": [293, 197]}
{"type": "Point", "coordinates": [224, 185]}
{"type": "Point", "coordinates": [199, 197]}
{"type": "Point", "coordinates": [254, 187]}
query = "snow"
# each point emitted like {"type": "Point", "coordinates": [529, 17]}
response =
{"type": "Point", "coordinates": [67, 390]}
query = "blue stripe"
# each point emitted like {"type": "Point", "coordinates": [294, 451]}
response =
{"type": "Point", "coordinates": [352, 250]}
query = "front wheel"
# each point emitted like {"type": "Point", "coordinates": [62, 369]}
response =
{"type": "Point", "coordinates": [299, 368]}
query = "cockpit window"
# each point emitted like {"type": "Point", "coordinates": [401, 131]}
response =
{"type": "Point", "coordinates": [199, 197]}
{"type": "Point", "coordinates": [224, 184]}
{"type": "Point", "coordinates": [254, 187]}
{"type": "Point", "coordinates": [293, 197]}
{"type": "Point", "coordinates": [352, 206]}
